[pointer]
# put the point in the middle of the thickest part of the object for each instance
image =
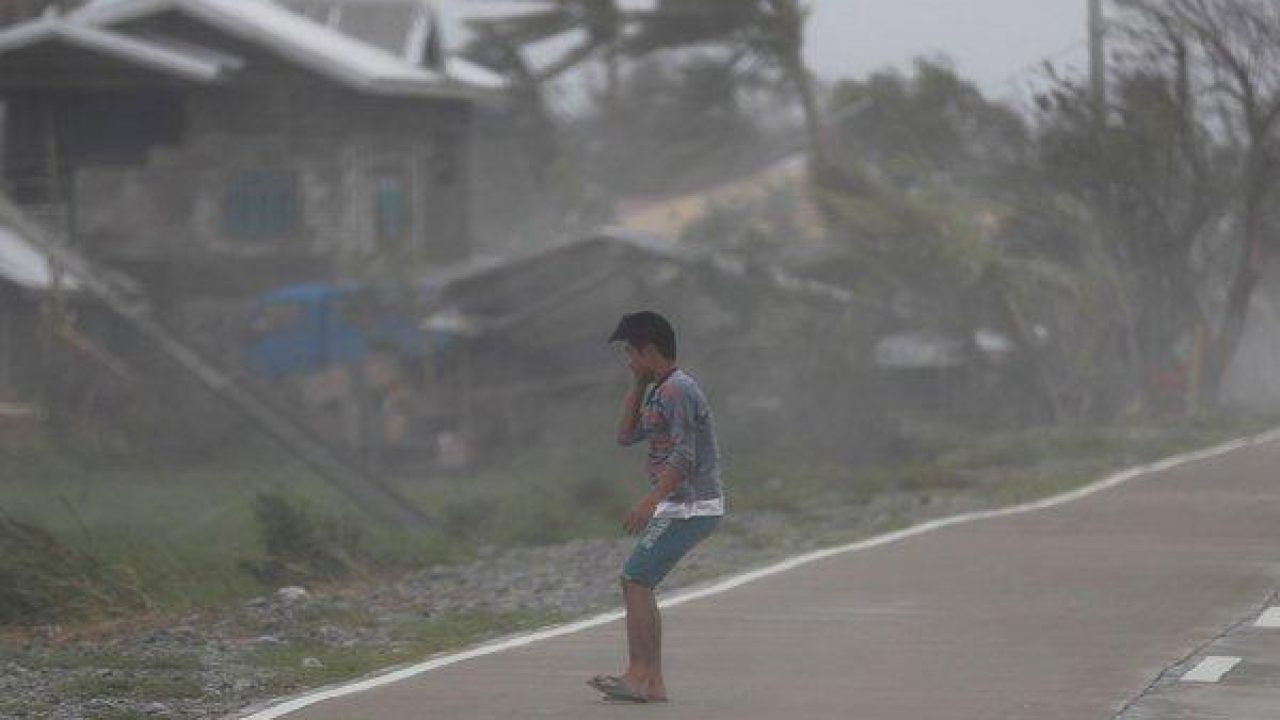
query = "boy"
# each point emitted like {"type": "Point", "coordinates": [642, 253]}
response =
{"type": "Point", "coordinates": [686, 502]}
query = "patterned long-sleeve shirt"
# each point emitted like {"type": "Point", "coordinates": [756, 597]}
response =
{"type": "Point", "coordinates": [676, 420]}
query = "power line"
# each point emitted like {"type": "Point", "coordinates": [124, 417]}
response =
{"type": "Point", "coordinates": [1039, 62]}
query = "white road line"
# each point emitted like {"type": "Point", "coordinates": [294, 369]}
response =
{"type": "Point", "coordinates": [1269, 619]}
{"type": "Point", "coordinates": [291, 705]}
{"type": "Point", "coordinates": [1211, 669]}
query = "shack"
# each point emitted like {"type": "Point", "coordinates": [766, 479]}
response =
{"type": "Point", "coordinates": [530, 357]}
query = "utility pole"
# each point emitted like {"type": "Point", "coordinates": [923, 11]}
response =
{"type": "Point", "coordinates": [1098, 60]}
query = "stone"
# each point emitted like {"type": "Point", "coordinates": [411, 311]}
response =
{"type": "Point", "coordinates": [292, 594]}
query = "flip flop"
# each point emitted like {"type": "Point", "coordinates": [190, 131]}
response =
{"type": "Point", "coordinates": [615, 688]}
{"type": "Point", "coordinates": [622, 701]}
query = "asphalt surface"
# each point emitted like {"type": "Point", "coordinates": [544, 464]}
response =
{"type": "Point", "coordinates": [1090, 609]}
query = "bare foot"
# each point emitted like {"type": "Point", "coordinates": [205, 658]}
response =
{"type": "Point", "coordinates": [652, 690]}
{"type": "Point", "coordinates": [634, 688]}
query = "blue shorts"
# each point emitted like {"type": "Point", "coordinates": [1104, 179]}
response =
{"type": "Point", "coordinates": [662, 544]}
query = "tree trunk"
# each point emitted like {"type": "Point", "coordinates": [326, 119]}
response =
{"type": "Point", "coordinates": [1115, 269]}
{"type": "Point", "coordinates": [788, 26]}
{"type": "Point", "coordinates": [1042, 374]}
{"type": "Point", "coordinates": [1233, 318]}
{"type": "Point", "coordinates": [809, 103]}
{"type": "Point", "coordinates": [1231, 329]}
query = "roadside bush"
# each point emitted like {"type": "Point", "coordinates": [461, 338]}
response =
{"type": "Point", "coordinates": [300, 547]}
{"type": "Point", "coordinates": [42, 580]}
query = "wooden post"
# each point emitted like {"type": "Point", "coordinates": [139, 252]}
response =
{"type": "Point", "coordinates": [468, 424]}
{"type": "Point", "coordinates": [53, 315]}
{"type": "Point", "coordinates": [7, 384]}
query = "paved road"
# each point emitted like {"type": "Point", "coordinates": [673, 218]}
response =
{"type": "Point", "coordinates": [1067, 613]}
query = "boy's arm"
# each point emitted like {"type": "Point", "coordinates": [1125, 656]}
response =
{"type": "Point", "coordinates": [628, 426]}
{"type": "Point", "coordinates": [679, 464]}
{"type": "Point", "coordinates": [668, 478]}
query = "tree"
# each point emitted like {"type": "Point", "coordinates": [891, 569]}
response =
{"type": "Point", "coordinates": [934, 153]}
{"type": "Point", "coordinates": [600, 22]}
{"type": "Point", "coordinates": [531, 187]}
{"type": "Point", "coordinates": [1150, 179]}
{"type": "Point", "coordinates": [1234, 48]}
{"type": "Point", "coordinates": [501, 44]}
{"type": "Point", "coordinates": [933, 127]}
{"type": "Point", "coordinates": [1073, 238]}
{"type": "Point", "coordinates": [672, 126]}
{"type": "Point", "coordinates": [756, 33]}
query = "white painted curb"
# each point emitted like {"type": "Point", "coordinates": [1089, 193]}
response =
{"type": "Point", "coordinates": [288, 706]}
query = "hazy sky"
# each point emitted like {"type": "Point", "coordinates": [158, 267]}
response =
{"type": "Point", "coordinates": [998, 43]}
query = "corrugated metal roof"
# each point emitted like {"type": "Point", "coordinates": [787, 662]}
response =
{"type": "Point", "coordinates": [141, 52]}
{"type": "Point", "coordinates": [393, 25]}
{"type": "Point", "coordinates": [297, 38]}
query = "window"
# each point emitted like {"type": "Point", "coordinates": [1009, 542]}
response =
{"type": "Point", "coordinates": [391, 212]}
{"type": "Point", "coordinates": [261, 205]}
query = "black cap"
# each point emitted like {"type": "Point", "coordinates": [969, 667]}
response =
{"type": "Point", "coordinates": [646, 328]}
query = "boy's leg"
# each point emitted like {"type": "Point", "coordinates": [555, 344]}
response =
{"type": "Point", "coordinates": [644, 641]}
{"type": "Point", "coordinates": [662, 544]}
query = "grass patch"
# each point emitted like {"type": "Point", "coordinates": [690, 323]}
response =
{"type": "Point", "coordinates": [66, 660]}
{"type": "Point", "coordinates": [177, 533]}
{"type": "Point", "coordinates": [455, 630]}
{"type": "Point", "coordinates": [25, 708]}
{"type": "Point", "coordinates": [133, 686]}
{"type": "Point", "coordinates": [292, 666]}
{"type": "Point", "coordinates": [282, 668]}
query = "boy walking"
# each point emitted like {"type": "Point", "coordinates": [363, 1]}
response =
{"type": "Point", "coordinates": [684, 504]}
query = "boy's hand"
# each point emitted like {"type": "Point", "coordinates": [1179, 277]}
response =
{"type": "Point", "coordinates": [641, 378]}
{"type": "Point", "coordinates": [638, 516]}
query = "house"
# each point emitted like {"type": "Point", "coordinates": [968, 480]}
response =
{"type": "Point", "coordinates": [216, 148]}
